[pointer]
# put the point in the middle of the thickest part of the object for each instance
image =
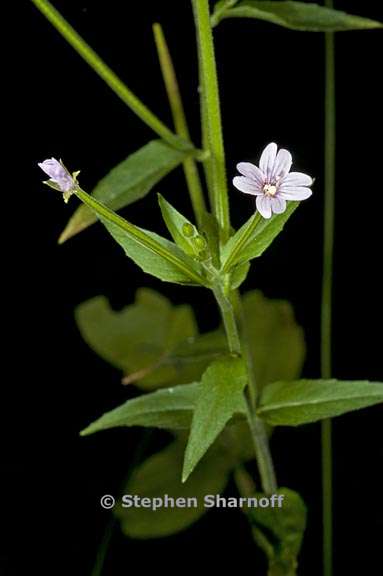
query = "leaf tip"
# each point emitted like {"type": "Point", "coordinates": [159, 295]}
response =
{"type": "Point", "coordinates": [86, 431]}
{"type": "Point", "coordinates": [186, 471]}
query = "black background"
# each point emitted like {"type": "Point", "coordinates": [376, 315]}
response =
{"type": "Point", "coordinates": [272, 86]}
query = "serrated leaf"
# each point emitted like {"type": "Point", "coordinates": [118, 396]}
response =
{"type": "Point", "coordinates": [170, 408]}
{"type": "Point", "coordinates": [220, 397]}
{"type": "Point", "coordinates": [240, 249]}
{"type": "Point", "coordinates": [275, 339]}
{"type": "Point", "coordinates": [279, 531]}
{"type": "Point", "coordinates": [307, 17]}
{"type": "Point", "coordinates": [154, 254]}
{"type": "Point", "coordinates": [304, 401]}
{"type": "Point", "coordinates": [160, 475]}
{"type": "Point", "coordinates": [127, 182]}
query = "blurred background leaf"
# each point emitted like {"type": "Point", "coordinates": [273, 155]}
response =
{"type": "Point", "coordinates": [279, 531]}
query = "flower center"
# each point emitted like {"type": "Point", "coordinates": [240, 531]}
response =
{"type": "Point", "coordinates": [269, 190]}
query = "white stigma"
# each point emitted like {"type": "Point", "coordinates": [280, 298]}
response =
{"type": "Point", "coordinates": [269, 189]}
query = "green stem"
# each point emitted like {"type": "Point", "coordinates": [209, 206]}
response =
{"type": "Point", "coordinates": [257, 429]}
{"type": "Point", "coordinates": [103, 548]}
{"type": "Point", "coordinates": [211, 115]}
{"type": "Point", "coordinates": [180, 123]}
{"type": "Point", "coordinates": [241, 241]}
{"type": "Point", "coordinates": [327, 281]}
{"type": "Point", "coordinates": [109, 77]}
{"type": "Point", "coordinates": [229, 320]}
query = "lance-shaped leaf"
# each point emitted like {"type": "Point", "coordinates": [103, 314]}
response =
{"type": "Point", "coordinates": [170, 408]}
{"type": "Point", "coordinates": [160, 475]}
{"type": "Point", "coordinates": [279, 530]}
{"type": "Point", "coordinates": [254, 237]}
{"type": "Point", "coordinates": [127, 182]}
{"type": "Point", "coordinates": [304, 16]}
{"type": "Point", "coordinates": [220, 397]}
{"type": "Point", "coordinates": [154, 254]}
{"type": "Point", "coordinates": [304, 401]}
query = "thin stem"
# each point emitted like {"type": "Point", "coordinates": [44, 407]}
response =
{"type": "Point", "coordinates": [229, 320]}
{"type": "Point", "coordinates": [261, 445]}
{"type": "Point", "coordinates": [257, 429]}
{"type": "Point", "coordinates": [180, 123]}
{"type": "Point", "coordinates": [109, 77]}
{"type": "Point", "coordinates": [103, 548]}
{"type": "Point", "coordinates": [211, 115]}
{"type": "Point", "coordinates": [327, 282]}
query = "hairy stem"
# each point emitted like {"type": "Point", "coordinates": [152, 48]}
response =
{"type": "Point", "coordinates": [211, 116]}
{"type": "Point", "coordinates": [109, 77]}
{"type": "Point", "coordinates": [327, 281]}
{"type": "Point", "coordinates": [180, 123]}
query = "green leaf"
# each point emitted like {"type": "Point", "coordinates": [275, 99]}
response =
{"type": "Point", "coordinates": [152, 342]}
{"type": "Point", "coordinates": [154, 254]}
{"type": "Point", "coordinates": [127, 182]}
{"type": "Point", "coordinates": [142, 339]}
{"type": "Point", "coordinates": [181, 229]}
{"type": "Point", "coordinates": [220, 397]}
{"type": "Point", "coordinates": [170, 408]}
{"type": "Point", "coordinates": [160, 475]}
{"type": "Point", "coordinates": [304, 401]}
{"type": "Point", "coordinates": [237, 250]}
{"type": "Point", "coordinates": [302, 16]}
{"type": "Point", "coordinates": [279, 531]}
{"type": "Point", "coordinates": [239, 274]}
{"type": "Point", "coordinates": [276, 341]}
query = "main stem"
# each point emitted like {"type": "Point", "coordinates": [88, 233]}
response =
{"type": "Point", "coordinates": [257, 429]}
{"type": "Point", "coordinates": [211, 116]}
{"type": "Point", "coordinates": [327, 281]}
{"type": "Point", "coordinates": [180, 123]}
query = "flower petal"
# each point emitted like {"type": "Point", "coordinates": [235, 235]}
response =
{"type": "Point", "coordinates": [296, 179]}
{"type": "Point", "coordinates": [251, 171]}
{"type": "Point", "coordinates": [52, 167]}
{"type": "Point", "coordinates": [294, 192]}
{"type": "Point", "coordinates": [57, 173]}
{"type": "Point", "coordinates": [264, 205]}
{"type": "Point", "coordinates": [278, 205]}
{"type": "Point", "coordinates": [282, 164]}
{"type": "Point", "coordinates": [247, 185]}
{"type": "Point", "coordinates": [266, 162]}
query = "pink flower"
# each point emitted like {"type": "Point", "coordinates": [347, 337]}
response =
{"type": "Point", "coordinates": [272, 183]}
{"type": "Point", "coordinates": [58, 174]}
